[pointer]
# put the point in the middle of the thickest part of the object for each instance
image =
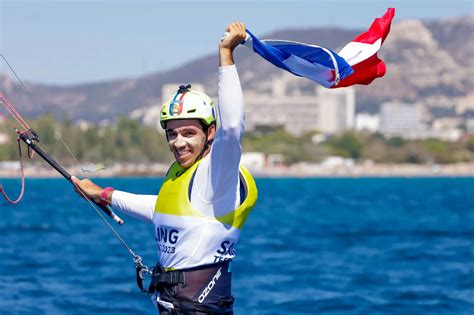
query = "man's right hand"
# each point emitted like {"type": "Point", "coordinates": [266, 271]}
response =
{"type": "Point", "coordinates": [235, 35]}
{"type": "Point", "coordinates": [91, 190]}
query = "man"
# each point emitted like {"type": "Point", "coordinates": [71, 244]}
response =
{"type": "Point", "coordinates": [205, 198]}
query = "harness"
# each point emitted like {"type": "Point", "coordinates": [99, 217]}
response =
{"type": "Point", "coordinates": [194, 291]}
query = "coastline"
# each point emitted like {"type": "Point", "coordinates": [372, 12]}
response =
{"type": "Point", "coordinates": [296, 170]}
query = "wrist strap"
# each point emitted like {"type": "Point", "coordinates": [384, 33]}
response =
{"type": "Point", "coordinates": [104, 194]}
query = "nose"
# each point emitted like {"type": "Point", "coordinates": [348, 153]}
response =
{"type": "Point", "coordinates": [179, 142]}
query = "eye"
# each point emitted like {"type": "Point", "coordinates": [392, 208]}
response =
{"type": "Point", "coordinates": [188, 134]}
{"type": "Point", "coordinates": [171, 134]}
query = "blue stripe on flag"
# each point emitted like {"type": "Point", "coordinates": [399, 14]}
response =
{"type": "Point", "coordinates": [313, 62]}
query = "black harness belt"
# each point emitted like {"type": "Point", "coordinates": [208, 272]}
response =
{"type": "Point", "coordinates": [200, 290]}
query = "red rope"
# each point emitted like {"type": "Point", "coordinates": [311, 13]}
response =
{"type": "Point", "coordinates": [24, 126]}
{"type": "Point", "coordinates": [11, 109]}
{"type": "Point", "coordinates": [2, 191]}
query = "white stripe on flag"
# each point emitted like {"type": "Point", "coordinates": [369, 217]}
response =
{"type": "Point", "coordinates": [356, 52]}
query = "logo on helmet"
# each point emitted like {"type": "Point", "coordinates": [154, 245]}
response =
{"type": "Point", "coordinates": [176, 108]}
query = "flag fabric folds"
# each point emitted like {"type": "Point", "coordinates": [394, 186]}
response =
{"type": "Point", "coordinates": [313, 62]}
{"type": "Point", "coordinates": [356, 63]}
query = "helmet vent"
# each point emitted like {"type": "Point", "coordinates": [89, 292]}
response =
{"type": "Point", "coordinates": [191, 111]}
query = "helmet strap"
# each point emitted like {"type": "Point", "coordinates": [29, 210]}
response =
{"type": "Point", "coordinates": [207, 143]}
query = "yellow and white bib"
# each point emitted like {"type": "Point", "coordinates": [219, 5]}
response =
{"type": "Point", "coordinates": [185, 237]}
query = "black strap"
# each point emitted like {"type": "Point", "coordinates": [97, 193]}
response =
{"type": "Point", "coordinates": [167, 279]}
{"type": "Point", "coordinates": [159, 278]}
{"type": "Point", "coordinates": [140, 279]}
{"type": "Point", "coordinates": [140, 275]}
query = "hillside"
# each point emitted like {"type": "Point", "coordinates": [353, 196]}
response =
{"type": "Point", "coordinates": [428, 62]}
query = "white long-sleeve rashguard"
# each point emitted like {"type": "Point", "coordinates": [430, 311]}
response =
{"type": "Point", "coordinates": [215, 189]}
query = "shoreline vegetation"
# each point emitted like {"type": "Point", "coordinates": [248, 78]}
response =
{"type": "Point", "coordinates": [129, 148]}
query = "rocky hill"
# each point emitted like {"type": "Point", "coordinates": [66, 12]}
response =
{"type": "Point", "coordinates": [428, 62]}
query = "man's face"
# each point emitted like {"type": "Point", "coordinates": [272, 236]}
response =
{"type": "Point", "coordinates": [186, 140]}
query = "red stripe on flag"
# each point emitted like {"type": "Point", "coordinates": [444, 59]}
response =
{"type": "Point", "coordinates": [379, 29]}
{"type": "Point", "coordinates": [371, 68]}
{"type": "Point", "coordinates": [365, 72]}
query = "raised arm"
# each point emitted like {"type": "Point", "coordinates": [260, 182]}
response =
{"type": "Point", "coordinates": [217, 175]}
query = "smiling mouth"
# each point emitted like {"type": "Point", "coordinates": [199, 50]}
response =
{"type": "Point", "coordinates": [182, 155]}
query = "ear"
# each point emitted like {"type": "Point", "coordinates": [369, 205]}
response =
{"type": "Point", "coordinates": [211, 132]}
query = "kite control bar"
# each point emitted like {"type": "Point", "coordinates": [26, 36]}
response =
{"type": "Point", "coordinates": [31, 138]}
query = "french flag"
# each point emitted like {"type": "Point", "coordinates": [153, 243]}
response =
{"type": "Point", "coordinates": [356, 63]}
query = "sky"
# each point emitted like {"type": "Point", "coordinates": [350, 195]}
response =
{"type": "Point", "coordinates": [70, 42]}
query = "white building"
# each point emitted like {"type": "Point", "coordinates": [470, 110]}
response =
{"type": "Point", "coordinates": [328, 111]}
{"type": "Point", "coordinates": [367, 122]}
{"type": "Point", "coordinates": [444, 123]}
{"type": "Point", "coordinates": [403, 120]}
{"type": "Point", "coordinates": [447, 128]}
{"type": "Point", "coordinates": [451, 134]}
{"type": "Point", "coordinates": [336, 110]}
{"type": "Point", "coordinates": [295, 114]}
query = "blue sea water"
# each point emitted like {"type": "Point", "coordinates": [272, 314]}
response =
{"type": "Point", "coordinates": [311, 246]}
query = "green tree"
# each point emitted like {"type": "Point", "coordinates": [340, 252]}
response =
{"type": "Point", "coordinates": [439, 150]}
{"type": "Point", "coordinates": [396, 142]}
{"type": "Point", "coordinates": [348, 145]}
{"type": "Point", "coordinates": [470, 143]}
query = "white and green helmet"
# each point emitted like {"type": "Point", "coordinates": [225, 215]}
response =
{"type": "Point", "coordinates": [188, 104]}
